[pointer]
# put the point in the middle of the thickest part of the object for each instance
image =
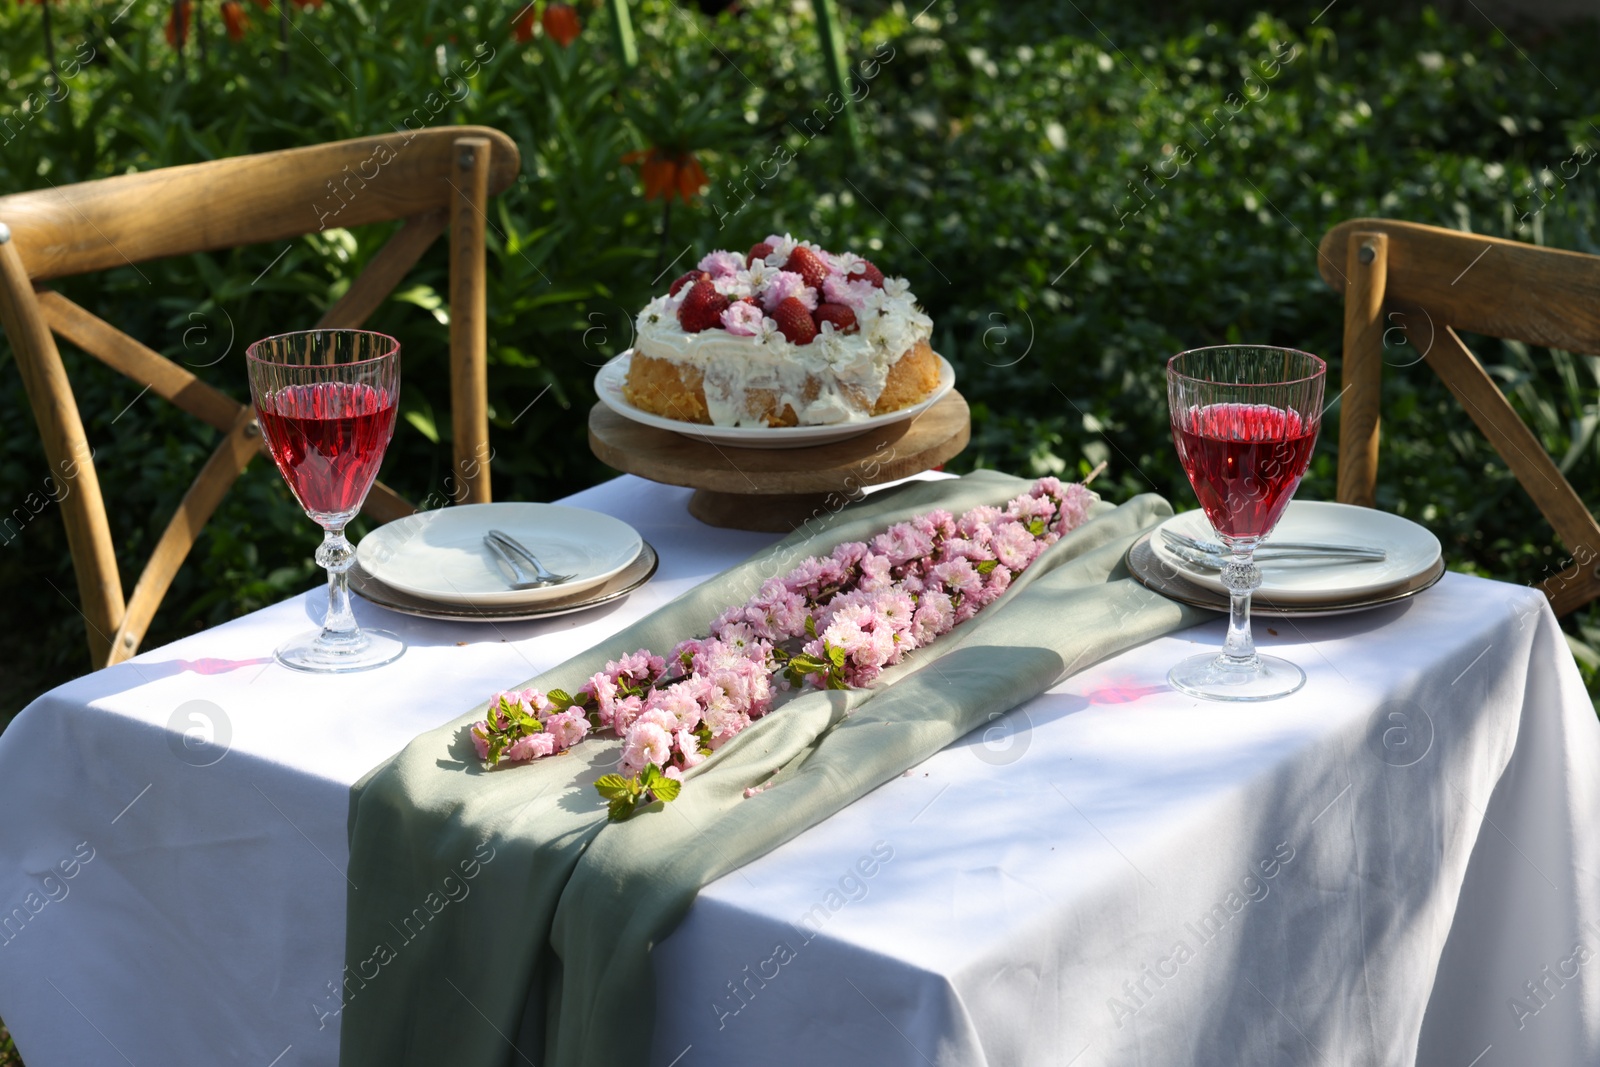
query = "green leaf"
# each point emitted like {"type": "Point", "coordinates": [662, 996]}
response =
{"type": "Point", "coordinates": [621, 809]}
{"type": "Point", "coordinates": [1036, 526]}
{"type": "Point", "coordinates": [560, 698]}
{"type": "Point", "coordinates": [835, 655]}
{"type": "Point", "coordinates": [666, 789]}
{"type": "Point", "coordinates": [614, 785]}
{"type": "Point", "coordinates": [987, 566]}
{"type": "Point", "coordinates": [811, 626]}
{"type": "Point", "coordinates": [424, 424]}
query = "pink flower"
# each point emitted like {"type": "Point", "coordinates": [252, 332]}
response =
{"type": "Point", "coordinates": [480, 739]}
{"type": "Point", "coordinates": [1075, 504]}
{"type": "Point", "coordinates": [1048, 486]}
{"type": "Point", "coordinates": [784, 284]}
{"type": "Point", "coordinates": [849, 553]}
{"type": "Point", "coordinates": [678, 704]}
{"type": "Point", "coordinates": [1024, 508]}
{"type": "Point", "coordinates": [645, 744]}
{"type": "Point", "coordinates": [1014, 546]}
{"type": "Point", "coordinates": [978, 522]}
{"type": "Point", "coordinates": [726, 721]}
{"type": "Point", "coordinates": [603, 687]}
{"type": "Point", "coordinates": [935, 615]}
{"type": "Point", "coordinates": [875, 572]}
{"type": "Point", "coordinates": [894, 608]}
{"type": "Point", "coordinates": [961, 548]}
{"type": "Point", "coordinates": [853, 294]}
{"type": "Point", "coordinates": [567, 727]}
{"type": "Point", "coordinates": [722, 264]}
{"type": "Point", "coordinates": [689, 754]}
{"type": "Point", "coordinates": [742, 320]}
{"type": "Point", "coordinates": [902, 543]}
{"type": "Point", "coordinates": [936, 523]}
{"type": "Point", "coordinates": [624, 712]}
{"type": "Point", "coordinates": [530, 746]}
{"type": "Point", "coordinates": [959, 576]}
{"type": "Point", "coordinates": [998, 582]}
{"type": "Point", "coordinates": [656, 716]}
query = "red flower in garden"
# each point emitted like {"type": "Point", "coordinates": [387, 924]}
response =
{"type": "Point", "coordinates": [667, 174]}
{"type": "Point", "coordinates": [522, 25]}
{"type": "Point", "coordinates": [234, 19]}
{"type": "Point", "coordinates": [561, 22]}
{"type": "Point", "coordinates": [178, 23]}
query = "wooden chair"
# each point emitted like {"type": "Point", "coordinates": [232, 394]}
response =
{"type": "Point", "coordinates": [1433, 283]}
{"type": "Point", "coordinates": [431, 178]}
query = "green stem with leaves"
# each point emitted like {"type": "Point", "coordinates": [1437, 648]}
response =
{"type": "Point", "coordinates": [622, 33]}
{"type": "Point", "coordinates": [829, 27]}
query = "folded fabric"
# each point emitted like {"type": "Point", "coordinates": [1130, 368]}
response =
{"type": "Point", "coordinates": [484, 896]}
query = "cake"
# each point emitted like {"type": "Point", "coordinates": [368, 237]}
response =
{"type": "Point", "coordinates": [786, 334]}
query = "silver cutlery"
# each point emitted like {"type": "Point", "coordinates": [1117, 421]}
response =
{"type": "Point", "coordinates": [1215, 561]}
{"type": "Point", "coordinates": [1277, 549]}
{"type": "Point", "coordinates": [507, 548]}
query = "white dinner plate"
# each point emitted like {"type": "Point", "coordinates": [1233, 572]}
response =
{"type": "Point", "coordinates": [1413, 551]}
{"type": "Point", "coordinates": [440, 555]}
{"type": "Point", "coordinates": [608, 385]}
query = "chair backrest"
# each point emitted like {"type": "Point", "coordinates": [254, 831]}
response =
{"type": "Point", "coordinates": [431, 178]}
{"type": "Point", "coordinates": [1432, 283]}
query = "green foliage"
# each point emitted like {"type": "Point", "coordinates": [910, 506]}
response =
{"type": "Point", "coordinates": [1073, 201]}
{"type": "Point", "coordinates": [649, 790]}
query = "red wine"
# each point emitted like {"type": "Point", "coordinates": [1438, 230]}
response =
{"type": "Point", "coordinates": [1244, 461]}
{"type": "Point", "coordinates": [328, 440]}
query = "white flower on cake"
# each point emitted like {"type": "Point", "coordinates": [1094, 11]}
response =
{"type": "Point", "coordinates": [785, 334]}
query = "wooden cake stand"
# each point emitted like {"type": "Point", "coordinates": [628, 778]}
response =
{"type": "Point", "coordinates": [778, 489]}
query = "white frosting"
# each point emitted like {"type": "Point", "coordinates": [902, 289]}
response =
{"type": "Point", "coordinates": [890, 324]}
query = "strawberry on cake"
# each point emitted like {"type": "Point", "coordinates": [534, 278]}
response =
{"type": "Point", "coordinates": [784, 335]}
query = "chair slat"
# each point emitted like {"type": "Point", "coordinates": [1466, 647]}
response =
{"type": "Point", "coordinates": [66, 449]}
{"type": "Point", "coordinates": [224, 203]}
{"type": "Point", "coordinates": [386, 270]}
{"type": "Point", "coordinates": [385, 505]}
{"type": "Point", "coordinates": [229, 459]}
{"type": "Point", "coordinates": [143, 364]}
{"type": "Point", "coordinates": [469, 376]}
{"type": "Point", "coordinates": [1487, 285]}
{"type": "Point", "coordinates": [1360, 399]}
{"type": "Point", "coordinates": [1461, 372]}
{"type": "Point", "coordinates": [1538, 474]}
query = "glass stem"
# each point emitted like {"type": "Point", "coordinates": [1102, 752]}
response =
{"type": "Point", "coordinates": [337, 555]}
{"type": "Point", "coordinates": [1242, 577]}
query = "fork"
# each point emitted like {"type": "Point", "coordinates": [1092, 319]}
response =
{"type": "Point", "coordinates": [1216, 561]}
{"type": "Point", "coordinates": [503, 545]}
{"type": "Point", "coordinates": [1277, 549]}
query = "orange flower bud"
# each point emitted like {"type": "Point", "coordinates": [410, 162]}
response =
{"type": "Point", "coordinates": [234, 19]}
{"type": "Point", "coordinates": [561, 22]}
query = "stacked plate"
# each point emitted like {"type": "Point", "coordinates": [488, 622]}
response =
{"type": "Point", "coordinates": [1301, 587]}
{"type": "Point", "coordinates": [435, 563]}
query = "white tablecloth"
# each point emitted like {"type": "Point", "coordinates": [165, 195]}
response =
{"type": "Point", "coordinates": [1112, 874]}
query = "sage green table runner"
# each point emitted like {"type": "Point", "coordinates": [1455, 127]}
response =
{"type": "Point", "coordinates": [475, 893]}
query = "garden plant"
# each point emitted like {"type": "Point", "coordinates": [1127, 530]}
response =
{"type": "Point", "coordinates": [1075, 193]}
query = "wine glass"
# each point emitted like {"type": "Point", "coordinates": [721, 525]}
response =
{"type": "Point", "coordinates": [1245, 420]}
{"type": "Point", "coordinates": [326, 401]}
